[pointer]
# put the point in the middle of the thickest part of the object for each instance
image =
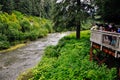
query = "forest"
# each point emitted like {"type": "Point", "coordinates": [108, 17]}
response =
{"type": "Point", "coordinates": [22, 21]}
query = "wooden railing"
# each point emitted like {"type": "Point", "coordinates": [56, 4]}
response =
{"type": "Point", "coordinates": [107, 39]}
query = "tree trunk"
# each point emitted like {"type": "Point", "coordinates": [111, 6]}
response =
{"type": "Point", "coordinates": [78, 30]}
{"type": "Point", "coordinates": [78, 24]}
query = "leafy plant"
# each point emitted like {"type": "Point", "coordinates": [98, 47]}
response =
{"type": "Point", "coordinates": [4, 45]}
{"type": "Point", "coordinates": [25, 25]}
{"type": "Point", "coordinates": [51, 51]}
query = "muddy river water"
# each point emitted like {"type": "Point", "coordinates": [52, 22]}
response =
{"type": "Point", "coordinates": [14, 62]}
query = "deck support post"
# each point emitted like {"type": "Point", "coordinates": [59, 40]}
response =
{"type": "Point", "coordinates": [93, 56]}
{"type": "Point", "coordinates": [91, 53]}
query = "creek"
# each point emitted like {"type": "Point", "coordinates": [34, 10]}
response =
{"type": "Point", "coordinates": [15, 62]}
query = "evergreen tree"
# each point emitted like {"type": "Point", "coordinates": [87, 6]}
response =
{"type": "Point", "coordinates": [109, 10]}
{"type": "Point", "coordinates": [42, 8]}
{"type": "Point", "coordinates": [70, 13]}
{"type": "Point", "coordinates": [7, 5]}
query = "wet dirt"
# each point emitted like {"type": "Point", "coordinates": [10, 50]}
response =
{"type": "Point", "coordinates": [15, 62]}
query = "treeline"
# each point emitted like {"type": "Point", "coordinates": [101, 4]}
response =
{"type": "Point", "coordinates": [17, 27]}
{"type": "Point", "coordinates": [50, 9]}
{"type": "Point", "coordinates": [109, 10]}
{"type": "Point", "coordinates": [42, 8]}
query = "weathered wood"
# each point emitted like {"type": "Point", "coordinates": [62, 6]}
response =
{"type": "Point", "coordinates": [110, 40]}
{"type": "Point", "coordinates": [96, 37]}
{"type": "Point", "coordinates": [91, 54]}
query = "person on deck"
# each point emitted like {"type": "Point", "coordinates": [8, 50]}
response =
{"type": "Point", "coordinates": [94, 27]}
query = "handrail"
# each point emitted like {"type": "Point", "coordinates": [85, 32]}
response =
{"type": "Point", "coordinates": [106, 38]}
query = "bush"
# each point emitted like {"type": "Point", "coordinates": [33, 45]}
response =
{"type": "Point", "coordinates": [2, 28]}
{"type": "Point", "coordinates": [33, 35]}
{"type": "Point", "coordinates": [13, 35]}
{"type": "Point", "coordinates": [51, 51]}
{"type": "Point", "coordinates": [36, 26]}
{"type": "Point", "coordinates": [3, 37]}
{"type": "Point", "coordinates": [42, 32]}
{"type": "Point", "coordinates": [25, 24]}
{"type": "Point", "coordinates": [4, 45]}
{"type": "Point", "coordinates": [19, 15]}
{"type": "Point", "coordinates": [14, 25]}
{"type": "Point", "coordinates": [48, 26]}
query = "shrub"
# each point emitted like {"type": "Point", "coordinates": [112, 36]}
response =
{"type": "Point", "coordinates": [4, 18]}
{"type": "Point", "coordinates": [42, 32]}
{"type": "Point", "coordinates": [25, 24]}
{"type": "Point", "coordinates": [36, 25]}
{"type": "Point", "coordinates": [3, 37]}
{"type": "Point", "coordinates": [48, 26]}
{"type": "Point", "coordinates": [13, 35]}
{"type": "Point", "coordinates": [24, 76]}
{"type": "Point", "coordinates": [22, 36]}
{"type": "Point", "coordinates": [14, 25]}
{"type": "Point", "coordinates": [33, 35]}
{"type": "Point", "coordinates": [51, 51]}
{"type": "Point", "coordinates": [3, 27]}
{"type": "Point", "coordinates": [4, 45]}
{"type": "Point", "coordinates": [19, 15]}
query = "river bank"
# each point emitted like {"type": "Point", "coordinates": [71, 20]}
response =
{"type": "Point", "coordinates": [17, 61]}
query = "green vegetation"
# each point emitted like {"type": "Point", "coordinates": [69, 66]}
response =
{"type": "Point", "coordinates": [108, 10]}
{"type": "Point", "coordinates": [18, 28]}
{"type": "Point", "coordinates": [41, 8]}
{"type": "Point", "coordinates": [85, 25]}
{"type": "Point", "coordinates": [69, 60]}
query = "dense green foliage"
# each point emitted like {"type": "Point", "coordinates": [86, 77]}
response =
{"type": "Point", "coordinates": [42, 8]}
{"type": "Point", "coordinates": [69, 60]}
{"type": "Point", "coordinates": [67, 14]}
{"type": "Point", "coordinates": [17, 27]}
{"type": "Point", "coordinates": [85, 25]}
{"type": "Point", "coordinates": [109, 10]}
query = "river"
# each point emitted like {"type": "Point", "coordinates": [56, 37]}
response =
{"type": "Point", "coordinates": [15, 62]}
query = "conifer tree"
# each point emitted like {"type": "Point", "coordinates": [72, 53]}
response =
{"type": "Point", "coordinates": [71, 13]}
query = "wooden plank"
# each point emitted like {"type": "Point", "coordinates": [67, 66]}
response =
{"type": "Point", "coordinates": [97, 37]}
{"type": "Point", "coordinates": [96, 45]}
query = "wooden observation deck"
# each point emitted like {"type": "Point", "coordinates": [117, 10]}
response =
{"type": "Point", "coordinates": [103, 40]}
{"type": "Point", "coordinates": [107, 42]}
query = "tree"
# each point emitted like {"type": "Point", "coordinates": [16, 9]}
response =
{"type": "Point", "coordinates": [78, 24]}
{"type": "Point", "coordinates": [70, 13]}
{"type": "Point", "coordinates": [42, 8]}
{"type": "Point", "coordinates": [7, 5]}
{"type": "Point", "coordinates": [109, 10]}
